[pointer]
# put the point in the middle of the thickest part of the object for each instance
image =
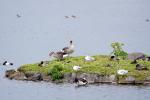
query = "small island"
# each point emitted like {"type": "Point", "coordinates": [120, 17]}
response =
{"type": "Point", "coordinates": [101, 69]}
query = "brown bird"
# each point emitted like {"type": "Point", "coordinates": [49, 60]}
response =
{"type": "Point", "coordinates": [58, 55]}
{"type": "Point", "coordinates": [68, 50]}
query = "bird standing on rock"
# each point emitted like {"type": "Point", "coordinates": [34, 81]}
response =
{"type": "Point", "coordinates": [81, 81]}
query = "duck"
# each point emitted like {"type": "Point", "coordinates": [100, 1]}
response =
{"type": "Point", "coordinates": [73, 16]}
{"type": "Point", "coordinates": [6, 63]}
{"type": "Point", "coordinates": [76, 68]}
{"type": "Point", "coordinates": [68, 50]}
{"type": "Point", "coordinates": [58, 55]}
{"type": "Point", "coordinates": [122, 72]}
{"type": "Point", "coordinates": [43, 63]}
{"type": "Point", "coordinates": [81, 81]}
{"type": "Point", "coordinates": [89, 58]}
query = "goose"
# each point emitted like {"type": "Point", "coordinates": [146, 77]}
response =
{"type": "Point", "coordinates": [122, 72]}
{"type": "Point", "coordinates": [7, 63]}
{"type": "Point", "coordinates": [89, 58]}
{"type": "Point", "coordinates": [68, 50]}
{"type": "Point", "coordinates": [80, 81]}
{"type": "Point", "coordinates": [58, 55]}
{"type": "Point", "coordinates": [76, 68]}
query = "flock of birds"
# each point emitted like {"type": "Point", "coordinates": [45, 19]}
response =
{"type": "Point", "coordinates": [66, 51]}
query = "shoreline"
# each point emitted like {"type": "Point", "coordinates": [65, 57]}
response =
{"type": "Point", "coordinates": [102, 70]}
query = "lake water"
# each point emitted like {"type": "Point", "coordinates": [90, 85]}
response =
{"type": "Point", "coordinates": [30, 29]}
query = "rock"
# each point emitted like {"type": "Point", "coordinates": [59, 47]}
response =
{"type": "Point", "coordinates": [9, 73]}
{"type": "Point", "coordinates": [31, 76]}
{"type": "Point", "coordinates": [46, 78]}
{"type": "Point", "coordinates": [130, 79]}
{"type": "Point", "coordinates": [136, 56]}
{"type": "Point", "coordinates": [12, 74]}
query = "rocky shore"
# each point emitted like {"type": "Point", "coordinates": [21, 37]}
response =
{"type": "Point", "coordinates": [92, 78]}
{"type": "Point", "coordinates": [100, 70]}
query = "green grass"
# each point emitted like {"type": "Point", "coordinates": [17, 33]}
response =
{"type": "Point", "coordinates": [98, 66]}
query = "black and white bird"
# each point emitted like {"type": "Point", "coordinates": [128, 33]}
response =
{"type": "Point", "coordinates": [68, 50]}
{"type": "Point", "coordinates": [7, 63]}
{"type": "Point", "coordinates": [80, 81]}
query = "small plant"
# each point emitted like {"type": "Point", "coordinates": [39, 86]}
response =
{"type": "Point", "coordinates": [56, 72]}
{"type": "Point", "coordinates": [118, 51]}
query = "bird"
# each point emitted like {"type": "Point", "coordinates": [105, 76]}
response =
{"type": "Point", "coordinates": [18, 15]}
{"type": "Point", "coordinates": [81, 81]}
{"type": "Point", "coordinates": [68, 50]}
{"type": "Point", "coordinates": [89, 58]}
{"type": "Point", "coordinates": [147, 20]}
{"type": "Point", "coordinates": [122, 72]}
{"type": "Point", "coordinates": [58, 55]}
{"type": "Point", "coordinates": [66, 16]}
{"type": "Point", "coordinates": [76, 68]}
{"type": "Point", "coordinates": [73, 16]}
{"type": "Point", "coordinates": [43, 63]}
{"type": "Point", "coordinates": [6, 63]}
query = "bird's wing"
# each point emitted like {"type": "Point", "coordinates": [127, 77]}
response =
{"type": "Point", "coordinates": [65, 48]}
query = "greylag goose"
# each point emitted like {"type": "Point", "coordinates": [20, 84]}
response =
{"type": "Point", "coordinates": [58, 55]}
{"type": "Point", "coordinates": [68, 50]}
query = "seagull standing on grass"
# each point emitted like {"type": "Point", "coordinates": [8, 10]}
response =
{"type": "Point", "coordinates": [76, 68]}
{"type": "Point", "coordinates": [89, 58]}
{"type": "Point", "coordinates": [122, 72]}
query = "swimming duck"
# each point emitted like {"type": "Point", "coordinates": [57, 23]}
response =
{"type": "Point", "coordinates": [68, 50]}
{"type": "Point", "coordinates": [58, 55]}
{"type": "Point", "coordinates": [76, 68]}
{"type": "Point", "coordinates": [122, 72]}
{"type": "Point", "coordinates": [80, 81]}
{"type": "Point", "coordinates": [7, 63]}
{"type": "Point", "coordinates": [89, 58]}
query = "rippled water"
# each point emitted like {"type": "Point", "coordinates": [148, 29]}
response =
{"type": "Point", "coordinates": [42, 27]}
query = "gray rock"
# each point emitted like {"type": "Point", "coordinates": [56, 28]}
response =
{"type": "Point", "coordinates": [31, 76]}
{"type": "Point", "coordinates": [9, 73]}
{"type": "Point", "coordinates": [12, 74]}
{"type": "Point", "coordinates": [136, 56]}
{"type": "Point", "coordinates": [130, 79]}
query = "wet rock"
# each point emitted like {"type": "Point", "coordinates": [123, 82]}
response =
{"type": "Point", "coordinates": [46, 78]}
{"type": "Point", "coordinates": [136, 56]}
{"type": "Point", "coordinates": [8, 73]}
{"type": "Point", "coordinates": [12, 74]}
{"type": "Point", "coordinates": [31, 76]}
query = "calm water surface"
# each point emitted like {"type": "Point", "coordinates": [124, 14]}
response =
{"type": "Point", "coordinates": [42, 27]}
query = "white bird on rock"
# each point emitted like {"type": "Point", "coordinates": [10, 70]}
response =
{"type": "Point", "coordinates": [76, 68]}
{"type": "Point", "coordinates": [89, 58]}
{"type": "Point", "coordinates": [122, 72]}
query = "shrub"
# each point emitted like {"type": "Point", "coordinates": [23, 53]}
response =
{"type": "Point", "coordinates": [118, 51]}
{"type": "Point", "coordinates": [56, 72]}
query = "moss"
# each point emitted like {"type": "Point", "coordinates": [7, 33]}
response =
{"type": "Point", "coordinates": [100, 66]}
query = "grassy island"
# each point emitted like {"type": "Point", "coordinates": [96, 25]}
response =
{"type": "Point", "coordinates": [102, 65]}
